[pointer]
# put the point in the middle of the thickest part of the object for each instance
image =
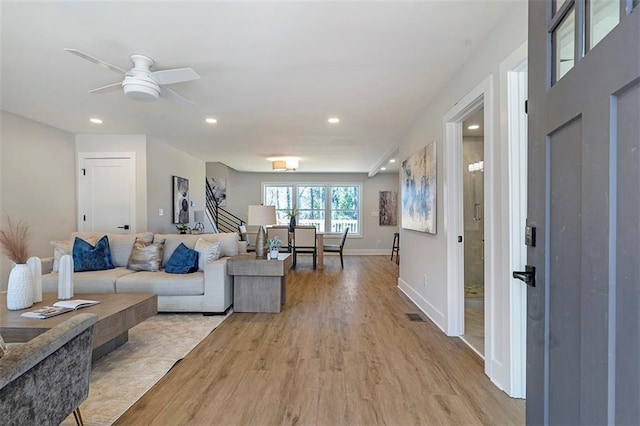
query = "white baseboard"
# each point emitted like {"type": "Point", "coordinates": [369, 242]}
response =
{"type": "Point", "coordinates": [423, 304]}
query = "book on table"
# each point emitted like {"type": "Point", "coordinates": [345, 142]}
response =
{"type": "Point", "coordinates": [60, 307]}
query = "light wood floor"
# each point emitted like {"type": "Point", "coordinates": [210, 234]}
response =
{"type": "Point", "coordinates": [342, 352]}
{"type": "Point", "coordinates": [474, 323]}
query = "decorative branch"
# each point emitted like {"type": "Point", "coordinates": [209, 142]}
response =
{"type": "Point", "coordinates": [14, 241]}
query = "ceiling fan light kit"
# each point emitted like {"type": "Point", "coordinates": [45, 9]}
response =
{"type": "Point", "coordinates": [140, 83]}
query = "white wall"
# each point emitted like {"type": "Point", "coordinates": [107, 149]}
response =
{"type": "Point", "coordinates": [123, 143]}
{"type": "Point", "coordinates": [164, 162]}
{"type": "Point", "coordinates": [424, 254]}
{"type": "Point", "coordinates": [246, 188]}
{"type": "Point", "coordinates": [37, 182]}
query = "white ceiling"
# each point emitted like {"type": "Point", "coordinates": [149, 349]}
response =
{"type": "Point", "coordinates": [271, 72]}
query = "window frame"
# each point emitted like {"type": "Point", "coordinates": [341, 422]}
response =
{"type": "Point", "coordinates": [327, 208]}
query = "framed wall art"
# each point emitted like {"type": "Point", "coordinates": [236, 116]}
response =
{"type": "Point", "coordinates": [180, 200]}
{"type": "Point", "coordinates": [418, 190]}
{"type": "Point", "coordinates": [388, 208]}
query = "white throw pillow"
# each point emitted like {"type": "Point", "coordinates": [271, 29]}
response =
{"type": "Point", "coordinates": [207, 252]}
{"type": "Point", "coordinates": [60, 248]}
{"type": "Point", "coordinates": [3, 347]}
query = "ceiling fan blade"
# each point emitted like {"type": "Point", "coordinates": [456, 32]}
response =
{"type": "Point", "coordinates": [172, 96]}
{"type": "Point", "coordinates": [108, 88]}
{"type": "Point", "coordinates": [96, 61]}
{"type": "Point", "coordinates": [177, 75]}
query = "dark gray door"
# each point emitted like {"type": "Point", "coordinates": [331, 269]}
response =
{"type": "Point", "coordinates": [583, 325]}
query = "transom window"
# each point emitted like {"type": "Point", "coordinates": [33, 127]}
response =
{"type": "Point", "coordinates": [329, 207]}
{"type": "Point", "coordinates": [576, 26]}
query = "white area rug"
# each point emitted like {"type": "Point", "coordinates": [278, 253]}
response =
{"type": "Point", "coordinates": [121, 377]}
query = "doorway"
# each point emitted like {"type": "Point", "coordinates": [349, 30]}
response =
{"type": "Point", "coordinates": [106, 192]}
{"type": "Point", "coordinates": [473, 238]}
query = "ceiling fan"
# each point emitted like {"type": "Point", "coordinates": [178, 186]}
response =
{"type": "Point", "coordinates": [142, 84]}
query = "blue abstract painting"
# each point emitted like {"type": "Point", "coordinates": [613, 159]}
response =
{"type": "Point", "coordinates": [418, 190]}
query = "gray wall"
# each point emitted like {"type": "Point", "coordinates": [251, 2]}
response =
{"type": "Point", "coordinates": [164, 162]}
{"type": "Point", "coordinates": [244, 189]}
{"type": "Point", "coordinates": [38, 182]}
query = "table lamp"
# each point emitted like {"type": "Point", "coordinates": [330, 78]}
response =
{"type": "Point", "coordinates": [261, 216]}
{"type": "Point", "coordinates": [198, 218]}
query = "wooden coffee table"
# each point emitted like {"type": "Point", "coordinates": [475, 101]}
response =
{"type": "Point", "coordinates": [117, 313]}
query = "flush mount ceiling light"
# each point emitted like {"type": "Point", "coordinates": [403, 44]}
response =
{"type": "Point", "coordinates": [287, 165]}
{"type": "Point", "coordinates": [383, 168]}
{"type": "Point", "coordinates": [333, 120]}
{"type": "Point", "coordinates": [474, 127]}
{"type": "Point", "coordinates": [393, 160]}
{"type": "Point", "coordinates": [95, 120]}
{"type": "Point", "coordinates": [211, 120]}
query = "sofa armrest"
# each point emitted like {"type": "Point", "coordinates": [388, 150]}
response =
{"type": "Point", "coordinates": [47, 265]}
{"type": "Point", "coordinates": [218, 286]}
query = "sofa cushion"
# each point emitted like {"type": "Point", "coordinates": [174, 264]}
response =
{"type": "Point", "coordinates": [207, 252]}
{"type": "Point", "coordinates": [87, 282]}
{"type": "Point", "coordinates": [87, 257]}
{"type": "Point", "coordinates": [183, 261]}
{"type": "Point", "coordinates": [146, 256]}
{"type": "Point", "coordinates": [228, 242]}
{"type": "Point", "coordinates": [162, 284]}
{"type": "Point", "coordinates": [119, 244]}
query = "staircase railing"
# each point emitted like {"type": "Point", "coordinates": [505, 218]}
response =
{"type": "Point", "coordinates": [223, 220]}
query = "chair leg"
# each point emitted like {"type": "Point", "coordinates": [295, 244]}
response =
{"type": "Point", "coordinates": [341, 261]}
{"type": "Point", "coordinates": [78, 417]}
{"type": "Point", "coordinates": [295, 259]}
{"type": "Point", "coordinates": [314, 259]}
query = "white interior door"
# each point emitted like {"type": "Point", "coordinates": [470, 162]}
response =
{"type": "Point", "coordinates": [106, 193]}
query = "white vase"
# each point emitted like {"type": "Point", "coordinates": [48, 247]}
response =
{"type": "Point", "coordinates": [273, 254]}
{"type": "Point", "coordinates": [65, 277]}
{"type": "Point", "coordinates": [35, 265]}
{"type": "Point", "coordinates": [19, 288]}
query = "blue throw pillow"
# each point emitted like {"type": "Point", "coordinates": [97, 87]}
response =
{"type": "Point", "coordinates": [89, 258]}
{"type": "Point", "coordinates": [182, 261]}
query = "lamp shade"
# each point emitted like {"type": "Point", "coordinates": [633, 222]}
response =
{"type": "Point", "coordinates": [198, 216]}
{"type": "Point", "coordinates": [261, 215]}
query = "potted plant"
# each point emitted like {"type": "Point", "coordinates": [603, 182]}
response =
{"type": "Point", "coordinates": [273, 244]}
{"type": "Point", "coordinates": [293, 213]}
{"type": "Point", "coordinates": [182, 228]}
{"type": "Point", "coordinates": [13, 240]}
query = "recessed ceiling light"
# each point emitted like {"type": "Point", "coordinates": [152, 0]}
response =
{"type": "Point", "coordinates": [333, 120]}
{"type": "Point", "coordinates": [393, 160]}
{"type": "Point", "coordinates": [95, 120]}
{"type": "Point", "coordinates": [474, 127]}
{"type": "Point", "coordinates": [211, 120]}
{"type": "Point", "coordinates": [383, 168]}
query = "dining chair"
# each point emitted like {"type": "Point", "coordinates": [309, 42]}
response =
{"type": "Point", "coordinates": [244, 236]}
{"type": "Point", "coordinates": [304, 241]}
{"type": "Point", "coordinates": [282, 233]}
{"type": "Point", "coordinates": [337, 248]}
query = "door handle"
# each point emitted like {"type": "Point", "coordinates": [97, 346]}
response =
{"type": "Point", "coordinates": [125, 227]}
{"type": "Point", "coordinates": [528, 275]}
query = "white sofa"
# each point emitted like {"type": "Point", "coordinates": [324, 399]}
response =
{"type": "Point", "coordinates": [210, 291]}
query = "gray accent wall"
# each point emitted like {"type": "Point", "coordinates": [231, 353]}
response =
{"type": "Point", "coordinates": [244, 188]}
{"type": "Point", "coordinates": [37, 182]}
{"type": "Point", "coordinates": [164, 162]}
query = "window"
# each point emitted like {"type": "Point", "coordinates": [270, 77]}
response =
{"type": "Point", "coordinates": [345, 208]}
{"type": "Point", "coordinates": [311, 206]}
{"type": "Point", "coordinates": [280, 196]}
{"type": "Point", "coordinates": [329, 207]}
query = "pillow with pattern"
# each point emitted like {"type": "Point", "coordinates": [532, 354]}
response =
{"type": "Point", "coordinates": [207, 252]}
{"type": "Point", "coordinates": [87, 257]}
{"type": "Point", "coordinates": [146, 256]}
{"type": "Point", "coordinates": [182, 261]}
